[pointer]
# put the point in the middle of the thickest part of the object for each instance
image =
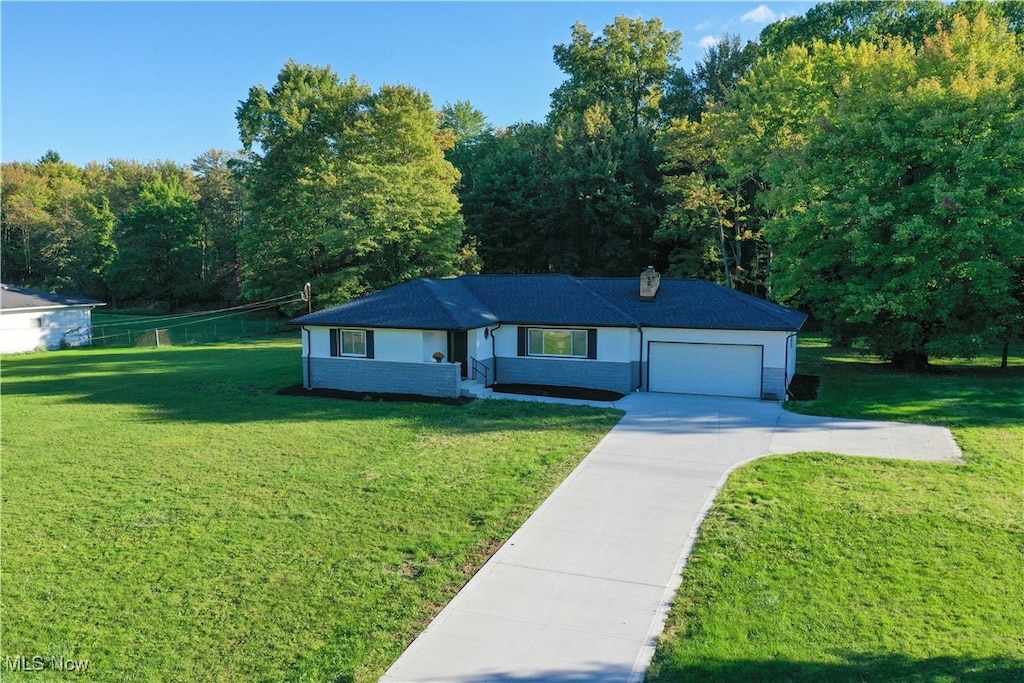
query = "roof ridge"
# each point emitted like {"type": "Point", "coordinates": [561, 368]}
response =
{"type": "Point", "coordinates": [603, 299]}
{"type": "Point", "coordinates": [770, 308]}
{"type": "Point", "coordinates": [431, 286]}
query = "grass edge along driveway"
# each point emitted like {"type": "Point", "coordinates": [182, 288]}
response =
{"type": "Point", "coordinates": [817, 567]}
{"type": "Point", "coordinates": [167, 516]}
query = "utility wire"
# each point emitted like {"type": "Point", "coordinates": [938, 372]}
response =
{"type": "Point", "coordinates": [156, 319]}
{"type": "Point", "coordinates": [269, 304]}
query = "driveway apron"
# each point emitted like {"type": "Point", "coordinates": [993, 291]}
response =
{"type": "Point", "coordinates": [581, 591]}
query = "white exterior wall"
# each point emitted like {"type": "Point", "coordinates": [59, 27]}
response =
{"type": "Point", "coordinates": [614, 344]}
{"type": "Point", "coordinates": [774, 343]}
{"type": "Point", "coordinates": [403, 346]}
{"type": "Point", "coordinates": [619, 352]}
{"type": "Point", "coordinates": [479, 344]}
{"type": "Point", "coordinates": [28, 330]}
{"type": "Point", "coordinates": [433, 342]}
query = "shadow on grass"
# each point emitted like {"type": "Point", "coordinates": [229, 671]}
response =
{"type": "Point", "coordinates": [856, 668]}
{"type": "Point", "coordinates": [954, 395]}
{"type": "Point", "coordinates": [230, 383]}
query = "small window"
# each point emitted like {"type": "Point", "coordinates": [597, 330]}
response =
{"type": "Point", "coordinates": [349, 343]}
{"type": "Point", "coordinates": [546, 342]}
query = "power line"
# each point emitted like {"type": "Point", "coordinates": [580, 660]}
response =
{"type": "Point", "coordinates": [249, 308]}
{"type": "Point", "coordinates": [156, 319]}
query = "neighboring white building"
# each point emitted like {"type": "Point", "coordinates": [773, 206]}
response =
{"type": "Point", "coordinates": [31, 320]}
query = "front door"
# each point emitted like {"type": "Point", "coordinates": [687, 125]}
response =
{"type": "Point", "coordinates": [458, 350]}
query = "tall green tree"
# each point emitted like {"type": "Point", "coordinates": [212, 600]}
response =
{"type": "Point", "coordinates": [55, 234]}
{"type": "Point", "coordinates": [24, 224]}
{"type": "Point", "coordinates": [711, 226]}
{"type": "Point", "coordinates": [853, 21]}
{"type": "Point", "coordinates": [625, 69]}
{"type": "Point", "coordinates": [470, 131]}
{"type": "Point", "coordinates": [508, 206]}
{"type": "Point", "coordinates": [713, 78]}
{"type": "Point", "coordinates": [899, 189]}
{"type": "Point", "coordinates": [606, 184]}
{"type": "Point", "coordinates": [604, 163]}
{"type": "Point", "coordinates": [158, 253]}
{"type": "Point", "coordinates": [220, 218]}
{"type": "Point", "coordinates": [346, 189]}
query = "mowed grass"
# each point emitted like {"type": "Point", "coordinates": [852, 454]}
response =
{"type": "Point", "coordinates": [822, 568]}
{"type": "Point", "coordinates": [167, 516]}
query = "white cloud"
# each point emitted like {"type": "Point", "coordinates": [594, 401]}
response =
{"type": "Point", "coordinates": [760, 14]}
{"type": "Point", "coordinates": [707, 41]}
{"type": "Point", "coordinates": [703, 26]}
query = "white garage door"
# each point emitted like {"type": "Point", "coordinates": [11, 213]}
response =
{"type": "Point", "coordinates": [712, 369]}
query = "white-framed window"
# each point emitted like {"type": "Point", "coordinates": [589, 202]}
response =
{"type": "Point", "coordinates": [351, 343]}
{"type": "Point", "coordinates": [557, 342]}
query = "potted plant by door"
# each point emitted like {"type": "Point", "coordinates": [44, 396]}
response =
{"type": "Point", "coordinates": [438, 356]}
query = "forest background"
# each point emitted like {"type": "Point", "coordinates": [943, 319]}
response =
{"type": "Point", "coordinates": [863, 162]}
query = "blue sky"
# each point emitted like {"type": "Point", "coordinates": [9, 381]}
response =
{"type": "Point", "coordinates": [162, 80]}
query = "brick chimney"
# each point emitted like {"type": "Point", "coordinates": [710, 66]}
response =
{"type": "Point", "coordinates": [650, 280]}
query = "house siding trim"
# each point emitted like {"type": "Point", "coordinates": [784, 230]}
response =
{"type": "Point", "coordinates": [394, 377]}
{"type": "Point", "coordinates": [575, 372]}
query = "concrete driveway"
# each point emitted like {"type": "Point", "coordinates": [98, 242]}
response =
{"type": "Point", "coordinates": [581, 591]}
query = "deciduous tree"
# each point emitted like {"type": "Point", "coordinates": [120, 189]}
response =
{"type": "Point", "coordinates": [899, 188]}
{"type": "Point", "coordinates": [346, 188]}
{"type": "Point", "coordinates": [158, 253]}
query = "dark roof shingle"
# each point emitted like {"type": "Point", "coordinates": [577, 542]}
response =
{"type": "Point", "coordinates": [473, 301]}
{"type": "Point", "coordinates": [12, 298]}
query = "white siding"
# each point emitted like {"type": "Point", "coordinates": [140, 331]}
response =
{"type": "Point", "coordinates": [480, 344]}
{"type": "Point", "coordinates": [614, 344]}
{"type": "Point", "coordinates": [433, 342]}
{"type": "Point", "coordinates": [29, 330]}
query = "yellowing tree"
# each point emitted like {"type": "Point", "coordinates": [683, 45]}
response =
{"type": "Point", "coordinates": [896, 179]}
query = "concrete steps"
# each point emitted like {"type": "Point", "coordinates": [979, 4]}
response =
{"type": "Point", "coordinates": [475, 390]}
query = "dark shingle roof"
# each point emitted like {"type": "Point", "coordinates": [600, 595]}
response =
{"type": "Point", "coordinates": [473, 301]}
{"type": "Point", "coordinates": [12, 297]}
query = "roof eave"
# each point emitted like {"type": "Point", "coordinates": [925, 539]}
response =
{"type": "Point", "coordinates": [51, 307]}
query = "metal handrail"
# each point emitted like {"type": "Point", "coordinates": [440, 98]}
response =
{"type": "Point", "coordinates": [480, 368]}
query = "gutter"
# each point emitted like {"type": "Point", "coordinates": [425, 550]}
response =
{"type": "Point", "coordinates": [494, 354]}
{"type": "Point", "coordinates": [640, 369]}
{"type": "Point", "coordinates": [785, 370]}
{"type": "Point", "coordinates": [309, 350]}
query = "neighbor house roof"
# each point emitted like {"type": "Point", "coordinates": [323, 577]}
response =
{"type": "Point", "coordinates": [473, 301]}
{"type": "Point", "coordinates": [13, 298]}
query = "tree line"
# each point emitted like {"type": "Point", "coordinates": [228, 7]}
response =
{"type": "Point", "coordinates": [863, 162]}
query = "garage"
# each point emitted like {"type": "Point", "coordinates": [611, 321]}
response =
{"type": "Point", "coordinates": [710, 369]}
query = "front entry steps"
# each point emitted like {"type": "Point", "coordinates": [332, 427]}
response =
{"type": "Point", "coordinates": [475, 390]}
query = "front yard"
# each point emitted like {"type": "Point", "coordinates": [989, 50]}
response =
{"type": "Point", "coordinates": [167, 516]}
{"type": "Point", "coordinates": [822, 568]}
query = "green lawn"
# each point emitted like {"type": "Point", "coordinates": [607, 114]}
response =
{"type": "Point", "coordinates": [118, 329]}
{"type": "Point", "coordinates": [822, 568]}
{"type": "Point", "coordinates": [167, 516]}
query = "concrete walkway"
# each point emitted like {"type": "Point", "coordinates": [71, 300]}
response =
{"type": "Point", "coordinates": [581, 591]}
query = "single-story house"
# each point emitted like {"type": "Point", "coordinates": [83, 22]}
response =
{"type": "Point", "coordinates": [447, 337]}
{"type": "Point", "coordinates": [31, 319]}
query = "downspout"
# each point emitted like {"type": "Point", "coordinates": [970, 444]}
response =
{"type": "Point", "coordinates": [494, 355]}
{"type": "Point", "coordinates": [309, 352]}
{"type": "Point", "coordinates": [785, 370]}
{"type": "Point", "coordinates": [640, 367]}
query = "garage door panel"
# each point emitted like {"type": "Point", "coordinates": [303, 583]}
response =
{"type": "Point", "coordinates": [711, 369]}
